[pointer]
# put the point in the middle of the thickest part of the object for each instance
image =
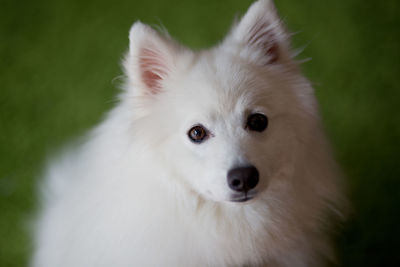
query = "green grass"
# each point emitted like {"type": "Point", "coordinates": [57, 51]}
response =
{"type": "Point", "coordinates": [58, 60]}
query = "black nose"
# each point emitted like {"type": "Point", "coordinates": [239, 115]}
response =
{"type": "Point", "coordinates": [243, 179]}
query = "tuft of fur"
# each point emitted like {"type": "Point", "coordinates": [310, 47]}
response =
{"type": "Point", "coordinates": [138, 192]}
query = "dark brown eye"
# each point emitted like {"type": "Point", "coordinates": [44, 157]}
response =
{"type": "Point", "coordinates": [197, 134]}
{"type": "Point", "coordinates": [257, 122]}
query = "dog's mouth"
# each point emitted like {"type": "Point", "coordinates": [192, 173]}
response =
{"type": "Point", "coordinates": [242, 197]}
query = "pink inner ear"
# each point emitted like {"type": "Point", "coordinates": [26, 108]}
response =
{"type": "Point", "coordinates": [152, 69]}
{"type": "Point", "coordinates": [272, 51]}
{"type": "Point", "coordinates": [261, 35]}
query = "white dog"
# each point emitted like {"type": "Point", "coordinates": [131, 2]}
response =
{"type": "Point", "coordinates": [211, 158]}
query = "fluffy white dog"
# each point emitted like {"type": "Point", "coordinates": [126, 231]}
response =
{"type": "Point", "coordinates": [211, 158]}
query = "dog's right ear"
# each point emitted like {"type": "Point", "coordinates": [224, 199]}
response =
{"type": "Point", "coordinates": [150, 60]}
{"type": "Point", "coordinates": [259, 36]}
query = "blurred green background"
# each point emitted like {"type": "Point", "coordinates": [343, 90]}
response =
{"type": "Point", "coordinates": [58, 59]}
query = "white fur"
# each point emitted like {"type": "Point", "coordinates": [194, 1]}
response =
{"type": "Point", "coordinates": [140, 193]}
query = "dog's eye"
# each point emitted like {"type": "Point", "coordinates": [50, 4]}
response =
{"type": "Point", "coordinates": [257, 122]}
{"type": "Point", "coordinates": [197, 134]}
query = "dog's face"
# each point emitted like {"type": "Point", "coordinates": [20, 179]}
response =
{"type": "Point", "coordinates": [224, 121]}
{"type": "Point", "coordinates": [229, 140]}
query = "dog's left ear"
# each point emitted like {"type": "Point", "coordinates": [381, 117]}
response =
{"type": "Point", "coordinates": [150, 60]}
{"type": "Point", "coordinates": [259, 36]}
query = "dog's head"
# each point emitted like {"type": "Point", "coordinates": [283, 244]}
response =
{"type": "Point", "coordinates": [225, 121]}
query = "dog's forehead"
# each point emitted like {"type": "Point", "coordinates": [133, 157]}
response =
{"type": "Point", "coordinates": [220, 81]}
{"type": "Point", "coordinates": [209, 97]}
